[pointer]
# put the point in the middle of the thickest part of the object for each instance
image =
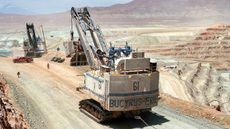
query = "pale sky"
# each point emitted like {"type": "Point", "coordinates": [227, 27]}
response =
{"type": "Point", "coordinates": [51, 6]}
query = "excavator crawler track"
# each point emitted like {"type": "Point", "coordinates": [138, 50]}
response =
{"type": "Point", "coordinates": [94, 110]}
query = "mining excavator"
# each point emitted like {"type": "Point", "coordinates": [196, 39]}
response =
{"type": "Point", "coordinates": [121, 82]}
{"type": "Point", "coordinates": [74, 50]}
{"type": "Point", "coordinates": [34, 46]}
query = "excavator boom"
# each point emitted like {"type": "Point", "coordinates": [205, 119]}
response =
{"type": "Point", "coordinates": [96, 50]}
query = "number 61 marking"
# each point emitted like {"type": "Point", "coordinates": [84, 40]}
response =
{"type": "Point", "coordinates": [136, 85]}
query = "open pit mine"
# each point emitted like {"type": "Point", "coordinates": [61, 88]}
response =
{"type": "Point", "coordinates": [140, 64]}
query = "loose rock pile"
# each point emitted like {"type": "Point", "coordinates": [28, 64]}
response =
{"type": "Point", "coordinates": [10, 118]}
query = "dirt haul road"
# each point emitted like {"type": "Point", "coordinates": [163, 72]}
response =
{"type": "Point", "coordinates": [49, 100]}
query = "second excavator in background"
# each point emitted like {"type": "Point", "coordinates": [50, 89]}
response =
{"type": "Point", "coordinates": [34, 45]}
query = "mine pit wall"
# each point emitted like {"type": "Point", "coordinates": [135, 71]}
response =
{"type": "Point", "coordinates": [10, 118]}
{"type": "Point", "coordinates": [203, 83]}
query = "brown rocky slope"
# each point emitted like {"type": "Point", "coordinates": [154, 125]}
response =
{"type": "Point", "coordinates": [10, 117]}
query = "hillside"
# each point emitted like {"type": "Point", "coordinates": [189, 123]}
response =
{"type": "Point", "coordinates": [211, 45]}
{"type": "Point", "coordinates": [137, 12]}
{"type": "Point", "coordinates": [16, 21]}
{"type": "Point", "coordinates": [167, 12]}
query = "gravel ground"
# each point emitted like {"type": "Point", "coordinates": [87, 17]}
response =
{"type": "Point", "coordinates": [48, 100]}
